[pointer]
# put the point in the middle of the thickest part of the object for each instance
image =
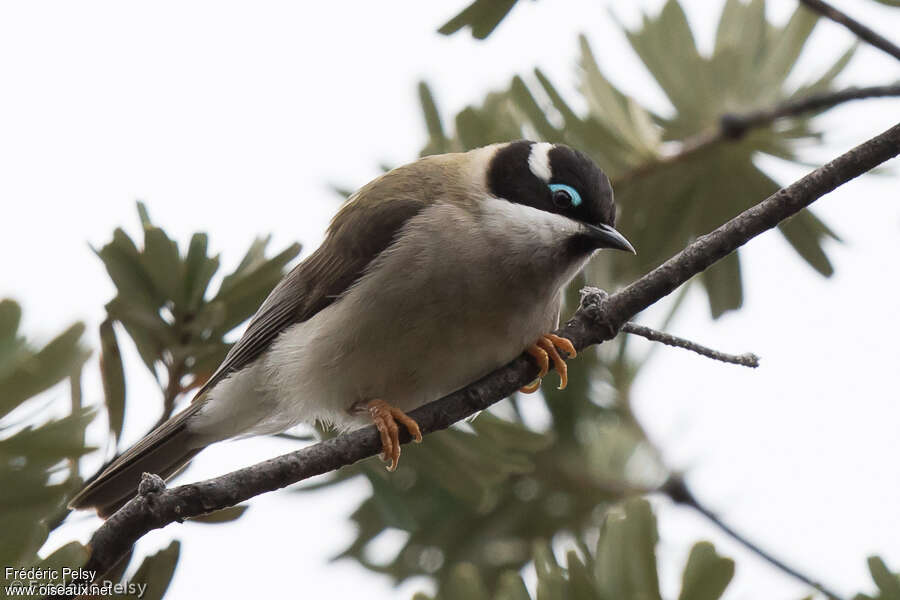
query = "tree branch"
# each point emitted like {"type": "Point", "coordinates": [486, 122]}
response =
{"type": "Point", "coordinates": [747, 359]}
{"type": "Point", "coordinates": [707, 249]}
{"type": "Point", "coordinates": [598, 319]}
{"type": "Point", "coordinates": [676, 489]}
{"type": "Point", "coordinates": [734, 126]}
{"type": "Point", "coordinates": [861, 31]}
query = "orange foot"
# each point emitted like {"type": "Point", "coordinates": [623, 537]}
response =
{"type": "Point", "coordinates": [543, 351]}
{"type": "Point", "coordinates": [385, 417]}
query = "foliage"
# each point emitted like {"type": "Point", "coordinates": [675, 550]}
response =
{"type": "Point", "coordinates": [888, 583]}
{"type": "Point", "coordinates": [482, 16]}
{"type": "Point", "coordinates": [38, 456]}
{"type": "Point", "coordinates": [622, 565]}
{"type": "Point", "coordinates": [164, 304]}
{"type": "Point", "coordinates": [748, 69]}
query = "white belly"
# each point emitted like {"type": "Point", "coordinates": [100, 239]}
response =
{"type": "Point", "coordinates": [423, 323]}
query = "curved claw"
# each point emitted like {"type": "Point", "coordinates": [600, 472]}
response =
{"type": "Point", "coordinates": [385, 418]}
{"type": "Point", "coordinates": [543, 360]}
{"type": "Point", "coordinates": [547, 349]}
{"type": "Point", "coordinates": [531, 387]}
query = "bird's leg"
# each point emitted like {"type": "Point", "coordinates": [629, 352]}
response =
{"type": "Point", "coordinates": [385, 418]}
{"type": "Point", "coordinates": [544, 350]}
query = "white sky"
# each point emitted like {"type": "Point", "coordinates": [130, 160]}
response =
{"type": "Point", "coordinates": [234, 117]}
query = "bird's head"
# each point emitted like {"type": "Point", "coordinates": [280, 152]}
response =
{"type": "Point", "coordinates": [561, 180]}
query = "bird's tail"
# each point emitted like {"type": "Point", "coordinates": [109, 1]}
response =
{"type": "Point", "coordinates": [163, 452]}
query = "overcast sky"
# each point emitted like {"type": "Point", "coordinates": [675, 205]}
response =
{"type": "Point", "coordinates": [235, 117]}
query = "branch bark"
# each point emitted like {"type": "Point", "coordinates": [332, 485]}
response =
{"type": "Point", "coordinates": [598, 319]}
{"type": "Point", "coordinates": [734, 126]}
{"type": "Point", "coordinates": [748, 359]}
{"type": "Point", "coordinates": [861, 31]}
{"type": "Point", "coordinates": [676, 489]}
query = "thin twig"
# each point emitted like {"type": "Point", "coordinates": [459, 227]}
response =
{"type": "Point", "coordinates": [598, 319]}
{"type": "Point", "coordinates": [748, 359]}
{"type": "Point", "coordinates": [676, 489]}
{"type": "Point", "coordinates": [861, 31]}
{"type": "Point", "coordinates": [733, 126]}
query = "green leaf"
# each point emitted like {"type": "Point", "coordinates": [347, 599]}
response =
{"type": "Point", "coordinates": [40, 371]}
{"type": "Point", "coordinates": [666, 46]}
{"type": "Point", "coordinates": [162, 262]}
{"type": "Point", "coordinates": [753, 40]}
{"type": "Point", "coordinates": [482, 16]}
{"type": "Point", "coordinates": [787, 45]}
{"type": "Point", "coordinates": [198, 271]}
{"type": "Point", "coordinates": [805, 232]}
{"type": "Point", "coordinates": [253, 258]}
{"type": "Point", "coordinates": [51, 442]}
{"type": "Point", "coordinates": [22, 538]}
{"type": "Point", "coordinates": [245, 289]}
{"type": "Point", "coordinates": [523, 98]}
{"type": "Point", "coordinates": [72, 555]}
{"type": "Point", "coordinates": [437, 139]}
{"type": "Point", "coordinates": [125, 267]}
{"type": "Point", "coordinates": [11, 345]}
{"type": "Point", "coordinates": [511, 587]}
{"type": "Point", "coordinates": [888, 583]}
{"type": "Point", "coordinates": [144, 215]}
{"type": "Point", "coordinates": [723, 285]}
{"type": "Point", "coordinates": [157, 570]}
{"type": "Point", "coordinates": [389, 502]}
{"type": "Point", "coordinates": [626, 558]}
{"type": "Point", "coordinates": [824, 82]}
{"type": "Point", "coordinates": [706, 575]}
{"type": "Point", "coordinates": [464, 583]}
{"type": "Point", "coordinates": [151, 333]}
{"type": "Point", "coordinates": [581, 581]}
{"type": "Point", "coordinates": [224, 515]}
{"type": "Point", "coordinates": [728, 33]}
{"type": "Point", "coordinates": [113, 375]}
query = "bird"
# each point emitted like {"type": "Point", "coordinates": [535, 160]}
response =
{"type": "Point", "coordinates": [429, 277]}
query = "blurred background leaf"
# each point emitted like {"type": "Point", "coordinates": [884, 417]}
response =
{"type": "Point", "coordinates": [888, 583]}
{"type": "Point", "coordinates": [663, 204]}
{"type": "Point", "coordinates": [482, 16]}
{"type": "Point", "coordinates": [157, 570]}
{"type": "Point", "coordinates": [164, 304]}
{"type": "Point", "coordinates": [621, 565]}
{"type": "Point", "coordinates": [38, 455]}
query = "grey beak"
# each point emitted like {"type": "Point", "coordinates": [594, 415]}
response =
{"type": "Point", "coordinates": [607, 237]}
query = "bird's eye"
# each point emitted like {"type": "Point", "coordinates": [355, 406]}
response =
{"type": "Point", "coordinates": [564, 196]}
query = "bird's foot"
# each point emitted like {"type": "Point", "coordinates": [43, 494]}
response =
{"type": "Point", "coordinates": [543, 351]}
{"type": "Point", "coordinates": [385, 418]}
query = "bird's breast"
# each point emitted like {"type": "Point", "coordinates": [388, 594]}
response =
{"type": "Point", "coordinates": [453, 298]}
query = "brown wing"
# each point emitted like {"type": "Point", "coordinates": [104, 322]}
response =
{"type": "Point", "coordinates": [358, 234]}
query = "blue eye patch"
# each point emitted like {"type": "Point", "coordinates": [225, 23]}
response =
{"type": "Point", "coordinates": [574, 196]}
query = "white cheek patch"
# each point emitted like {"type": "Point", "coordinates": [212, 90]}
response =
{"type": "Point", "coordinates": [525, 225]}
{"type": "Point", "coordinates": [539, 161]}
